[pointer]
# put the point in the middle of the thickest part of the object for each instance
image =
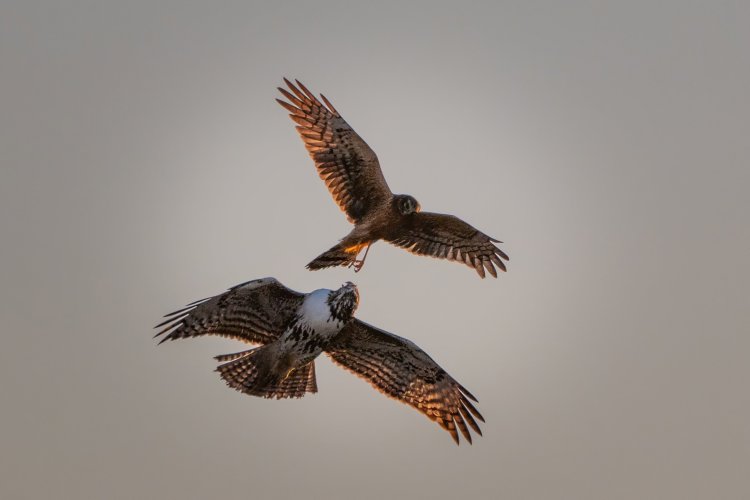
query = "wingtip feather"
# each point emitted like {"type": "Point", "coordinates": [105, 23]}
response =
{"type": "Point", "coordinates": [330, 106]}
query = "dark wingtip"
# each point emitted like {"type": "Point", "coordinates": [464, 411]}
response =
{"type": "Point", "coordinates": [163, 330]}
{"type": "Point", "coordinates": [168, 320]}
{"type": "Point", "coordinates": [499, 252]}
{"type": "Point", "coordinates": [467, 393]}
{"type": "Point", "coordinates": [330, 106]}
{"type": "Point", "coordinates": [454, 435]}
{"type": "Point", "coordinates": [307, 92]}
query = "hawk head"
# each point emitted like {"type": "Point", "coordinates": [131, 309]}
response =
{"type": "Point", "coordinates": [406, 204]}
{"type": "Point", "coordinates": [344, 301]}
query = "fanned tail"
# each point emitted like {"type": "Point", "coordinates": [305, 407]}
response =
{"type": "Point", "coordinates": [255, 372]}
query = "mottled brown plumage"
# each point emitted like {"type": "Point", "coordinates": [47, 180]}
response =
{"type": "Point", "coordinates": [398, 368]}
{"type": "Point", "coordinates": [294, 328]}
{"type": "Point", "coordinates": [352, 173]}
{"type": "Point", "coordinates": [256, 312]}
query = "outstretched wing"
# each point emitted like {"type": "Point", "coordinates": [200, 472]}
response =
{"type": "Point", "coordinates": [448, 237]}
{"type": "Point", "coordinates": [256, 312]}
{"type": "Point", "coordinates": [401, 370]}
{"type": "Point", "coordinates": [344, 161]}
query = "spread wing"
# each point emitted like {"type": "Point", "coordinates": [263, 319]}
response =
{"type": "Point", "coordinates": [344, 161]}
{"type": "Point", "coordinates": [401, 370]}
{"type": "Point", "coordinates": [256, 312]}
{"type": "Point", "coordinates": [448, 237]}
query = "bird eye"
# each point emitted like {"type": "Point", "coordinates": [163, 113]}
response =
{"type": "Point", "coordinates": [409, 205]}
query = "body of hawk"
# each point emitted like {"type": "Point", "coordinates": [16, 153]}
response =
{"type": "Point", "coordinates": [352, 174]}
{"type": "Point", "coordinates": [294, 328]}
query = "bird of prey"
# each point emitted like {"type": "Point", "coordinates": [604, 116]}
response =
{"type": "Point", "coordinates": [352, 174]}
{"type": "Point", "coordinates": [295, 328]}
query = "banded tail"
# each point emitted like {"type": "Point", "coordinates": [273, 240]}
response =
{"type": "Point", "coordinates": [338, 255]}
{"type": "Point", "coordinates": [256, 372]}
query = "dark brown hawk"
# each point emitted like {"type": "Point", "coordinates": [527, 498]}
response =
{"type": "Point", "coordinates": [295, 328]}
{"type": "Point", "coordinates": [352, 173]}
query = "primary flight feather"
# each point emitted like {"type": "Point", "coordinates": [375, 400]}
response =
{"type": "Point", "coordinates": [295, 328]}
{"type": "Point", "coordinates": [352, 173]}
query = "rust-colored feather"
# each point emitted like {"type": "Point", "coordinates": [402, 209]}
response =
{"type": "Point", "coordinates": [401, 370]}
{"type": "Point", "coordinates": [356, 165]}
{"type": "Point", "coordinates": [352, 174]}
{"type": "Point", "coordinates": [254, 312]}
{"type": "Point", "coordinates": [445, 236]}
{"type": "Point", "coordinates": [330, 106]}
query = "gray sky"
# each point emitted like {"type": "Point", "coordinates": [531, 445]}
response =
{"type": "Point", "coordinates": [146, 165]}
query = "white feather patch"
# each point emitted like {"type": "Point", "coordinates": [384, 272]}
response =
{"type": "Point", "coordinates": [316, 313]}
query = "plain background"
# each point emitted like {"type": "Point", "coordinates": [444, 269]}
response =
{"type": "Point", "coordinates": [145, 164]}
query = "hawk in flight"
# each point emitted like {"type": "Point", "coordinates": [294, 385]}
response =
{"type": "Point", "coordinates": [352, 173]}
{"type": "Point", "coordinates": [295, 328]}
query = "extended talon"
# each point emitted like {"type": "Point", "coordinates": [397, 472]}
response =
{"type": "Point", "coordinates": [358, 263]}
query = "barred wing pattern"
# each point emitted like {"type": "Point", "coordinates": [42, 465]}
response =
{"type": "Point", "coordinates": [256, 312]}
{"type": "Point", "coordinates": [344, 161]}
{"type": "Point", "coordinates": [448, 237]}
{"type": "Point", "coordinates": [403, 371]}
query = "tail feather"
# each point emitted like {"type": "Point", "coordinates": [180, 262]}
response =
{"type": "Point", "coordinates": [255, 372]}
{"type": "Point", "coordinates": [300, 381]}
{"type": "Point", "coordinates": [335, 256]}
{"type": "Point", "coordinates": [231, 357]}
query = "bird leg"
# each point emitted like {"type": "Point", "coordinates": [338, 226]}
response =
{"type": "Point", "coordinates": [357, 264]}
